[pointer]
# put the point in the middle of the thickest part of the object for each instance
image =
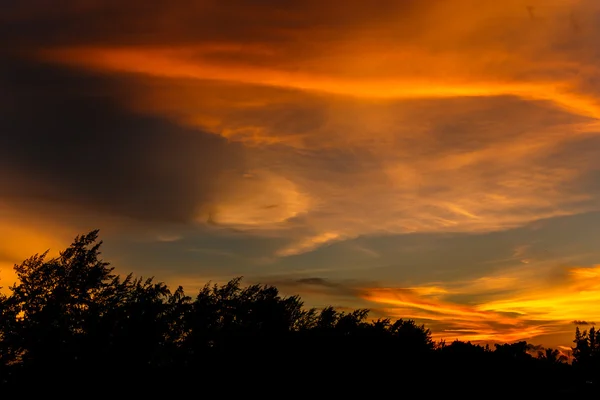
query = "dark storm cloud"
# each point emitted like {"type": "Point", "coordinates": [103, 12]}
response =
{"type": "Point", "coordinates": [576, 322]}
{"type": "Point", "coordinates": [317, 285]}
{"type": "Point", "coordinates": [64, 139]}
{"type": "Point", "coordinates": [316, 281]}
{"type": "Point", "coordinates": [72, 22]}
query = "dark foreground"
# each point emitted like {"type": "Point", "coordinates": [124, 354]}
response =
{"type": "Point", "coordinates": [71, 327]}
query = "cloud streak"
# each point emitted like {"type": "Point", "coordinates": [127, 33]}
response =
{"type": "Point", "coordinates": [505, 307]}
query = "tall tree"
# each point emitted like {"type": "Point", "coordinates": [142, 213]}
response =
{"type": "Point", "coordinates": [56, 300]}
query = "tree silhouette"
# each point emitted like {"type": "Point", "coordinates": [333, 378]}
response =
{"type": "Point", "coordinates": [71, 319]}
{"type": "Point", "coordinates": [55, 302]}
{"type": "Point", "coordinates": [552, 356]}
{"type": "Point", "coordinates": [586, 354]}
{"type": "Point", "coordinates": [6, 319]}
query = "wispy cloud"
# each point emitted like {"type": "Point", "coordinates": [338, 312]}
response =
{"type": "Point", "coordinates": [309, 243]}
{"type": "Point", "coordinates": [423, 125]}
{"type": "Point", "coordinates": [168, 238]}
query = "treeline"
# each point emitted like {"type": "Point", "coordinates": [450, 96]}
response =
{"type": "Point", "coordinates": [71, 324]}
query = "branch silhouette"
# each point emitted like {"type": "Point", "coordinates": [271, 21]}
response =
{"type": "Point", "coordinates": [72, 323]}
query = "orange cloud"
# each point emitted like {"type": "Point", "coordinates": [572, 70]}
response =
{"type": "Point", "coordinates": [451, 321]}
{"type": "Point", "coordinates": [187, 63]}
{"type": "Point", "coordinates": [423, 117]}
{"type": "Point", "coordinates": [257, 199]}
{"type": "Point", "coordinates": [573, 297]}
{"type": "Point", "coordinates": [374, 90]}
{"type": "Point", "coordinates": [309, 244]}
{"type": "Point", "coordinates": [530, 306]}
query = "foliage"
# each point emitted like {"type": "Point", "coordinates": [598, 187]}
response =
{"type": "Point", "coordinates": [71, 315]}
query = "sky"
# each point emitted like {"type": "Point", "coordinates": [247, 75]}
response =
{"type": "Point", "coordinates": [437, 160]}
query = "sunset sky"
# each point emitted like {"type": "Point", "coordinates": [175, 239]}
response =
{"type": "Point", "coordinates": [429, 159]}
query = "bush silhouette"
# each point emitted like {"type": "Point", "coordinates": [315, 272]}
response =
{"type": "Point", "coordinates": [71, 322]}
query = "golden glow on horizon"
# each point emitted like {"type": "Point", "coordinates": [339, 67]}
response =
{"type": "Point", "coordinates": [20, 239]}
{"type": "Point", "coordinates": [529, 308]}
{"type": "Point", "coordinates": [581, 290]}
